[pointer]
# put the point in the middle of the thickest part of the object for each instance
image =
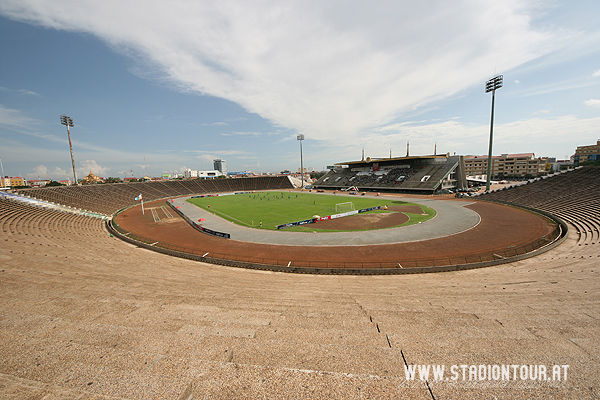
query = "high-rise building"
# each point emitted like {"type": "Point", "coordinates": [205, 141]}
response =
{"type": "Point", "coordinates": [220, 165]}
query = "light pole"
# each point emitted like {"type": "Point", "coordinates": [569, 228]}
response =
{"type": "Point", "coordinates": [300, 139]}
{"type": "Point", "coordinates": [491, 86]}
{"type": "Point", "coordinates": [67, 121]}
{"type": "Point", "coordinates": [3, 180]}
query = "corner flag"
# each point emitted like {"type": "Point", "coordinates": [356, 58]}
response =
{"type": "Point", "coordinates": [139, 198]}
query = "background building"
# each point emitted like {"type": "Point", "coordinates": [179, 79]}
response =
{"type": "Point", "coordinates": [91, 178]}
{"type": "Point", "coordinates": [507, 165]}
{"type": "Point", "coordinates": [38, 182]}
{"type": "Point", "coordinates": [559, 165]}
{"type": "Point", "coordinates": [12, 181]}
{"type": "Point", "coordinates": [210, 174]}
{"type": "Point", "coordinates": [220, 165]}
{"type": "Point", "coordinates": [189, 173]}
{"type": "Point", "coordinates": [587, 153]}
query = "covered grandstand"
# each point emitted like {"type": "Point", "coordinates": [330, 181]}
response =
{"type": "Point", "coordinates": [410, 174]}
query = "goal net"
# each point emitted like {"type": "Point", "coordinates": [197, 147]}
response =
{"type": "Point", "coordinates": [344, 207]}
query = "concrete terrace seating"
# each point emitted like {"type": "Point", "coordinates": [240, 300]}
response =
{"type": "Point", "coordinates": [572, 196]}
{"type": "Point", "coordinates": [109, 198]}
{"type": "Point", "coordinates": [87, 316]}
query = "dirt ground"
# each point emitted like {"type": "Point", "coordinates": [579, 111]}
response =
{"type": "Point", "coordinates": [370, 221]}
{"type": "Point", "coordinates": [501, 229]}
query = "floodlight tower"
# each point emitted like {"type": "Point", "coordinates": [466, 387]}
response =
{"type": "Point", "coordinates": [67, 121]}
{"type": "Point", "coordinates": [491, 86]}
{"type": "Point", "coordinates": [2, 167]}
{"type": "Point", "coordinates": [300, 139]}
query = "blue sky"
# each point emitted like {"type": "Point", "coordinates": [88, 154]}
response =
{"type": "Point", "coordinates": [157, 87]}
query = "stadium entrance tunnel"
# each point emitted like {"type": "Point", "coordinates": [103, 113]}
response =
{"type": "Point", "coordinates": [505, 234]}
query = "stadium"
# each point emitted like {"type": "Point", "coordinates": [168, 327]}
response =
{"type": "Point", "coordinates": [104, 299]}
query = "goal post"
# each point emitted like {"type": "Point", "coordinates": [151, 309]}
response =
{"type": "Point", "coordinates": [344, 207]}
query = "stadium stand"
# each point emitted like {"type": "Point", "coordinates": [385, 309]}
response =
{"type": "Point", "coordinates": [430, 177]}
{"type": "Point", "coordinates": [109, 198]}
{"type": "Point", "coordinates": [406, 174]}
{"type": "Point", "coordinates": [87, 316]}
{"type": "Point", "coordinates": [571, 196]}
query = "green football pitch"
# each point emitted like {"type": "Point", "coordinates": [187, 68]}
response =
{"type": "Point", "coordinates": [266, 210]}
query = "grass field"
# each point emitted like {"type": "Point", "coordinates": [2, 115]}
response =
{"type": "Point", "coordinates": [270, 209]}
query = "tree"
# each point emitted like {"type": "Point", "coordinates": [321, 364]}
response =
{"type": "Point", "coordinates": [112, 179]}
{"type": "Point", "coordinates": [317, 175]}
{"type": "Point", "coordinates": [54, 183]}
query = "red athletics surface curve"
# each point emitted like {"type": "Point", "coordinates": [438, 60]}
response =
{"type": "Point", "coordinates": [501, 230]}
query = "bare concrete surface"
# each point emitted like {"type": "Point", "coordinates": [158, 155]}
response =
{"type": "Point", "coordinates": [87, 316]}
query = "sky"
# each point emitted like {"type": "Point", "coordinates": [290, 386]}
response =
{"type": "Point", "coordinates": [157, 87]}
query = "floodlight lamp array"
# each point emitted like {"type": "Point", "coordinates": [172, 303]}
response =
{"type": "Point", "coordinates": [67, 121]}
{"type": "Point", "coordinates": [300, 137]}
{"type": "Point", "coordinates": [494, 83]}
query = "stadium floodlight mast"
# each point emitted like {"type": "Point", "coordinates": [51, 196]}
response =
{"type": "Point", "coordinates": [2, 167]}
{"type": "Point", "coordinates": [67, 121]}
{"type": "Point", "coordinates": [300, 138]}
{"type": "Point", "coordinates": [491, 86]}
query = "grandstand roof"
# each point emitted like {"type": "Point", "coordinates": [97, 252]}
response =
{"type": "Point", "coordinates": [388, 159]}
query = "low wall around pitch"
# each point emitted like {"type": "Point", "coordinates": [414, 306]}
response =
{"type": "Point", "coordinates": [195, 225]}
{"type": "Point", "coordinates": [327, 217]}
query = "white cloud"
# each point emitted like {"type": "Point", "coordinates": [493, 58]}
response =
{"type": "Point", "coordinates": [592, 103]}
{"type": "Point", "coordinates": [596, 73]}
{"type": "Point", "coordinates": [554, 86]}
{"type": "Point", "coordinates": [92, 165]}
{"type": "Point", "coordinates": [28, 92]}
{"type": "Point", "coordinates": [539, 135]}
{"type": "Point", "coordinates": [541, 112]}
{"type": "Point", "coordinates": [21, 91]}
{"type": "Point", "coordinates": [15, 119]}
{"type": "Point", "coordinates": [330, 70]}
{"type": "Point", "coordinates": [249, 134]}
{"type": "Point", "coordinates": [42, 172]}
